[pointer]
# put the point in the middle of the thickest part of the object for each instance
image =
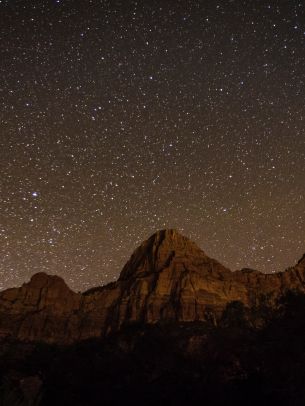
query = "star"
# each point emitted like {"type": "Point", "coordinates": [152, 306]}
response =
{"type": "Point", "coordinates": [119, 121]}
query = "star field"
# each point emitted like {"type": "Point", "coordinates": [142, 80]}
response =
{"type": "Point", "coordinates": [119, 118]}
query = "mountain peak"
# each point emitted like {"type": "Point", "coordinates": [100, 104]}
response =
{"type": "Point", "coordinates": [158, 251]}
{"type": "Point", "coordinates": [42, 280]}
{"type": "Point", "coordinates": [167, 278]}
{"type": "Point", "coordinates": [168, 233]}
{"type": "Point", "coordinates": [172, 240]}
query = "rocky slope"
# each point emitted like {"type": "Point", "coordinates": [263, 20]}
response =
{"type": "Point", "coordinates": [167, 278]}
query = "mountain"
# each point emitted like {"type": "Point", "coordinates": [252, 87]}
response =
{"type": "Point", "coordinates": [176, 328]}
{"type": "Point", "coordinates": [167, 279]}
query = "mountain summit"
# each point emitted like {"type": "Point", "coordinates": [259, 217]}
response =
{"type": "Point", "coordinates": [159, 252]}
{"type": "Point", "coordinates": [167, 278]}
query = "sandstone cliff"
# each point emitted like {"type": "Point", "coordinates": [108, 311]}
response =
{"type": "Point", "coordinates": [167, 278]}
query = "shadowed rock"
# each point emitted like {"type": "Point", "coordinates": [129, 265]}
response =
{"type": "Point", "coordinates": [167, 278]}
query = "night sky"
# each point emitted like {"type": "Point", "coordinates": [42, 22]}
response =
{"type": "Point", "coordinates": [119, 118]}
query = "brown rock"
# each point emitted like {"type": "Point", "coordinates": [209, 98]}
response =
{"type": "Point", "coordinates": [167, 278]}
{"type": "Point", "coordinates": [43, 309]}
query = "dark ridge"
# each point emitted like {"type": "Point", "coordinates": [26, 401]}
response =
{"type": "Point", "coordinates": [301, 260]}
{"type": "Point", "coordinates": [248, 270]}
{"type": "Point", "coordinates": [97, 289]}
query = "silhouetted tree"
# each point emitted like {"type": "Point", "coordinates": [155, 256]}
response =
{"type": "Point", "coordinates": [234, 315]}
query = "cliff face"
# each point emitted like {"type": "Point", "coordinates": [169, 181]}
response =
{"type": "Point", "coordinates": [45, 308]}
{"type": "Point", "coordinates": [167, 278]}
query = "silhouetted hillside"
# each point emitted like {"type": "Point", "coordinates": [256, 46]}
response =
{"type": "Point", "coordinates": [174, 363]}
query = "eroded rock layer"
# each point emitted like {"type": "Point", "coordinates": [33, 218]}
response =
{"type": "Point", "coordinates": [167, 278]}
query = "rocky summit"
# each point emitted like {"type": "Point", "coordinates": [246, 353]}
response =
{"type": "Point", "coordinates": [167, 278]}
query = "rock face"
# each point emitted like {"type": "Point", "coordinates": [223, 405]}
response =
{"type": "Point", "coordinates": [45, 308]}
{"type": "Point", "coordinates": [167, 278]}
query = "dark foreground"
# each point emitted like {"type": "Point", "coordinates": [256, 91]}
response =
{"type": "Point", "coordinates": [175, 364]}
